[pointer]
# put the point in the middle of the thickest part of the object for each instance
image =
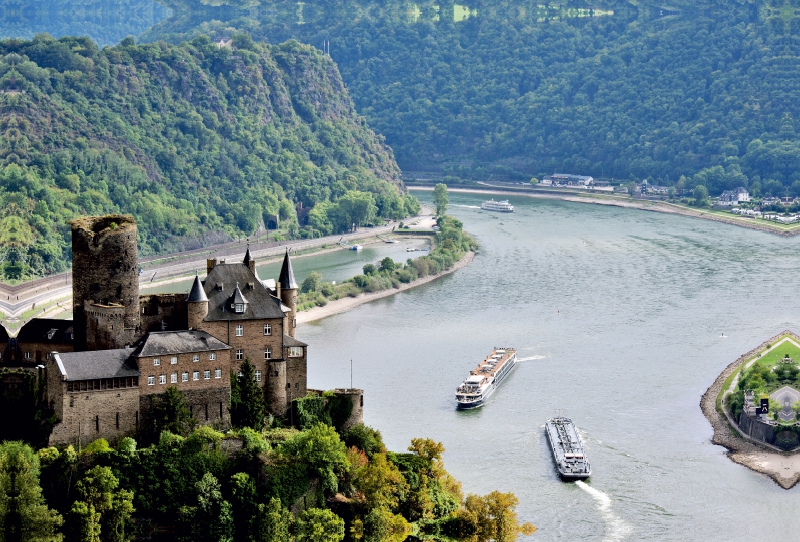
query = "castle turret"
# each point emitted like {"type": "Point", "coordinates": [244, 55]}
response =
{"type": "Point", "coordinates": [105, 274]}
{"type": "Point", "coordinates": [197, 304]}
{"type": "Point", "coordinates": [288, 294]}
{"type": "Point", "coordinates": [249, 261]}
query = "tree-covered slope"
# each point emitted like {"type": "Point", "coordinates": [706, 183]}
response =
{"type": "Point", "coordinates": [194, 140]}
{"type": "Point", "coordinates": [514, 88]}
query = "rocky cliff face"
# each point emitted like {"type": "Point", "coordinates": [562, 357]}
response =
{"type": "Point", "coordinates": [198, 141]}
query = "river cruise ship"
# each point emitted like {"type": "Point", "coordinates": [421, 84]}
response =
{"type": "Point", "coordinates": [482, 382]}
{"type": "Point", "coordinates": [499, 206]}
{"type": "Point", "coordinates": [568, 454]}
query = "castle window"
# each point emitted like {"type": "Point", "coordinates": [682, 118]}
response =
{"type": "Point", "coordinates": [267, 329]}
{"type": "Point", "coordinates": [212, 356]}
{"type": "Point", "coordinates": [184, 377]}
{"type": "Point", "coordinates": [173, 360]}
{"type": "Point", "coordinates": [268, 353]}
{"type": "Point", "coordinates": [297, 385]}
{"type": "Point", "coordinates": [217, 373]}
{"type": "Point", "coordinates": [288, 385]}
{"type": "Point", "coordinates": [206, 375]}
{"type": "Point", "coordinates": [173, 378]}
{"type": "Point", "coordinates": [196, 358]}
{"type": "Point", "coordinates": [156, 362]}
{"type": "Point", "coordinates": [162, 379]}
{"type": "Point", "coordinates": [295, 351]}
{"type": "Point", "coordinates": [238, 308]}
{"type": "Point", "coordinates": [239, 354]}
{"type": "Point", "coordinates": [196, 375]}
{"type": "Point", "coordinates": [258, 376]}
{"type": "Point", "coordinates": [151, 380]}
{"type": "Point", "coordinates": [239, 330]}
{"type": "Point", "coordinates": [27, 355]}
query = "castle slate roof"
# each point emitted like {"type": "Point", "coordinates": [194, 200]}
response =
{"type": "Point", "coordinates": [3, 334]}
{"type": "Point", "coordinates": [220, 285]}
{"type": "Point", "coordinates": [46, 330]}
{"type": "Point", "coordinates": [291, 341]}
{"type": "Point", "coordinates": [165, 343]}
{"type": "Point", "coordinates": [197, 294]}
{"type": "Point", "coordinates": [247, 257]}
{"type": "Point", "coordinates": [286, 279]}
{"type": "Point", "coordinates": [118, 363]}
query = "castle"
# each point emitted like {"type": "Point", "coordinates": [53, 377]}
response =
{"type": "Point", "coordinates": [122, 349]}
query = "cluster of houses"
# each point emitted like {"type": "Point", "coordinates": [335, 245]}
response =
{"type": "Point", "coordinates": [574, 181]}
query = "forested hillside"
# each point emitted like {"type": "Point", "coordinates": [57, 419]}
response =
{"type": "Point", "coordinates": [512, 88]}
{"type": "Point", "coordinates": [196, 141]}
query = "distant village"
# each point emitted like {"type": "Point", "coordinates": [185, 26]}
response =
{"type": "Point", "coordinates": [738, 201]}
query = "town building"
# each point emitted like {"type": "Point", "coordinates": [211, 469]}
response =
{"type": "Point", "coordinates": [734, 197]}
{"type": "Point", "coordinates": [568, 179]}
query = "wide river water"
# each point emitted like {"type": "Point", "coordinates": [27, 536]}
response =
{"type": "Point", "coordinates": [618, 316]}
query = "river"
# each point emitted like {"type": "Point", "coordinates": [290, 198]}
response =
{"type": "Point", "coordinates": [618, 316]}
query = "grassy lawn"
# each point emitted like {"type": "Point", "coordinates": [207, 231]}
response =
{"type": "Point", "coordinates": [774, 356]}
{"type": "Point", "coordinates": [770, 360]}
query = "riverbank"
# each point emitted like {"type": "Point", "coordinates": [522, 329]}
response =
{"type": "Point", "coordinates": [347, 303]}
{"type": "Point", "coordinates": [782, 467]}
{"type": "Point", "coordinates": [643, 205]}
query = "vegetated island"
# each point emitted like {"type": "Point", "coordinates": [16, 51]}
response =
{"type": "Point", "coordinates": [307, 479]}
{"type": "Point", "coordinates": [766, 443]}
{"type": "Point", "coordinates": [452, 250]}
{"type": "Point", "coordinates": [785, 230]}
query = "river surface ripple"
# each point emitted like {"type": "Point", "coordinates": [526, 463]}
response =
{"type": "Point", "coordinates": [619, 315]}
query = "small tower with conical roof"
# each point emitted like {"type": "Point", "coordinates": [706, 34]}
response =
{"type": "Point", "coordinates": [249, 261]}
{"type": "Point", "coordinates": [287, 290]}
{"type": "Point", "coordinates": [197, 304]}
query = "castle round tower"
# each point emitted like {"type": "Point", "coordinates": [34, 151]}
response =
{"type": "Point", "coordinates": [197, 304]}
{"type": "Point", "coordinates": [104, 270]}
{"type": "Point", "coordinates": [288, 294]}
{"type": "Point", "coordinates": [276, 387]}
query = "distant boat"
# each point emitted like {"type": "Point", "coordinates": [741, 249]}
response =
{"type": "Point", "coordinates": [499, 206]}
{"type": "Point", "coordinates": [356, 247]}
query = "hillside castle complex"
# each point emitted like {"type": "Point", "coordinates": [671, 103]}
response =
{"type": "Point", "coordinates": [104, 368]}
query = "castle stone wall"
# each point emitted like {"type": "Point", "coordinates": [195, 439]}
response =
{"type": "Point", "coordinates": [88, 415]}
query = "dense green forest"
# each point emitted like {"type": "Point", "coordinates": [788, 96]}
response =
{"type": "Point", "coordinates": [514, 88]}
{"type": "Point", "coordinates": [319, 479]}
{"type": "Point", "coordinates": [198, 142]}
{"type": "Point", "coordinates": [106, 21]}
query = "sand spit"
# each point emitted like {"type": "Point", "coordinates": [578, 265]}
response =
{"type": "Point", "coordinates": [346, 303]}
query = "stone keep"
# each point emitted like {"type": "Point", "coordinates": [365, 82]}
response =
{"type": "Point", "coordinates": [105, 286]}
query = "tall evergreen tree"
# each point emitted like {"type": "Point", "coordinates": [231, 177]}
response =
{"type": "Point", "coordinates": [247, 398]}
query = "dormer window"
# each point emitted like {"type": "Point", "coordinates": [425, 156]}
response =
{"type": "Point", "coordinates": [238, 307]}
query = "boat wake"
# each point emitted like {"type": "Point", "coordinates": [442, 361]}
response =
{"type": "Point", "coordinates": [530, 358]}
{"type": "Point", "coordinates": [466, 206]}
{"type": "Point", "coordinates": [618, 528]}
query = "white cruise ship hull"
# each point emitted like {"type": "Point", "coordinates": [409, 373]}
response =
{"type": "Point", "coordinates": [474, 401]}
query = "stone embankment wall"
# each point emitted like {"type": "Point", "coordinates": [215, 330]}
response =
{"type": "Point", "coordinates": [756, 429]}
